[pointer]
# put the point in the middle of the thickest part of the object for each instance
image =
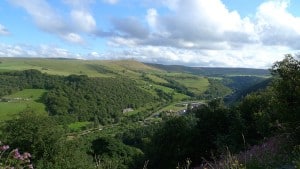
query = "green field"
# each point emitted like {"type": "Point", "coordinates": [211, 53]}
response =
{"type": "Point", "coordinates": [176, 96]}
{"type": "Point", "coordinates": [31, 94]}
{"type": "Point", "coordinates": [78, 126]}
{"type": "Point", "coordinates": [197, 85]}
{"type": "Point", "coordinates": [23, 100]}
{"type": "Point", "coordinates": [173, 107]}
{"type": "Point", "coordinates": [156, 79]}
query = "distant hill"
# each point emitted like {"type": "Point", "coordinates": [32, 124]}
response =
{"type": "Point", "coordinates": [62, 66]}
{"type": "Point", "coordinates": [99, 68]}
{"type": "Point", "coordinates": [212, 71]}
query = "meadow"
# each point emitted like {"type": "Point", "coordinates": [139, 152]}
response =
{"type": "Point", "coordinates": [27, 99]}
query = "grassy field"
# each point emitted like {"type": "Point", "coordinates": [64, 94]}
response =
{"type": "Point", "coordinates": [78, 126]}
{"type": "Point", "coordinates": [197, 85]}
{"type": "Point", "coordinates": [176, 96]}
{"type": "Point", "coordinates": [21, 101]}
{"type": "Point", "coordinates": [173, 107]}
{"type": "Point", "coordinates": [32, 94]}
{"type": "Point", "coordinates": [156, 79]}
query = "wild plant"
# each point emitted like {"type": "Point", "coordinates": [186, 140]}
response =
{"type": "Point", "coordinates": [13, 159]}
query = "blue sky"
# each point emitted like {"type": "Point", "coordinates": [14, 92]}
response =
{"type": "Point", "coordinates": [222, 33]}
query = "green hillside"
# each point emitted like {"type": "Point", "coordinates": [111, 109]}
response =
{"type": "Point", "coordinates": [212, 71]}
{"type": "Point", "coordinates": [119, 68]}
{"type": "Point", "coordinates": [168, 84]}
{"type": "Point", "coordinates": [92, 68]}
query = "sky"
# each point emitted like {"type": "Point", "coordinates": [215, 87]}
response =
{"type": "Point", "coordinates": [210, 33]}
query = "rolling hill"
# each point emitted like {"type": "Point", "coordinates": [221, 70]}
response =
{"type": "Point", "coordinates": [168, 84]}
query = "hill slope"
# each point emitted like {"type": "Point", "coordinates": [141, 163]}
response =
{"type": "Point", "coordinates": [212, 71]}
{"type": "Point", "coordinates": [92, 68]}
{"type": "Point", "coordinates": [172, 82]}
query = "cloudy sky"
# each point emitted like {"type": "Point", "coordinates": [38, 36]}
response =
{"type": "Point", "coordinates": [223, 33]}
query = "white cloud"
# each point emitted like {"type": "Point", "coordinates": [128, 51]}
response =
{"type": "Point", "coordinates": [43, 15]}
{"type": "Point", "coordinates": [45, 51]}
{"type": "Point", "coordinates": [130, 27]}
{"type": "Point", "coordinates": [276, 26]}
{"type": "Point", "coordinates": [254, 56]}
{"type": "Point", "coordinates": [152, 19]}
{"type": "Point", "coordinates": [84, 20]}
{"type": "Point", "coordinates": [207, 33]}
{"type": "Point", "coordinates": [197, 24]}
{"type": "Point", "coordinates": [73, 37]}
{"type": "Point", "coordinates": [81, 15]}
{"type": "Point", "coordinates": [4, 30]}
{"type": "Point", "coordinates": [190, 32]}
{"type": "Point", "coordinates": [49, 19]}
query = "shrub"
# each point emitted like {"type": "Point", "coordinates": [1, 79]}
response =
{"type": "Point", "coordinates": [13, 158]}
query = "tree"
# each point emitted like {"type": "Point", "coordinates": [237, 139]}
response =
{"type": "Point", "coordinates": [108, 150]}
{"type": "Point", "coordinates": [171, 143]}
{"type": "Point", "coordinates": [217, 127]}
{"type": "Point", "coordinates": [34, 133]}
{"type": "Point", "coordinates": [286, 86]}
{"type": "Point", "coordinates": [257, 112]}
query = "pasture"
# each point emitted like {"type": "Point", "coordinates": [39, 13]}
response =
{"type": "Point", "coordinates": [28, 99]}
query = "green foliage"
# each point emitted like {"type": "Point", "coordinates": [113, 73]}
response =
{"type": "Point", "coordinates": [109, 149]}
{"type": "Point", "coordinates": [86, 98]}
{"type": "Point", "coordinates": [287, 92]}
{"type": "Point", "coordinates": [257, 113]}
{"type": "Point", "coordinates": [68, 155]}
{"type": "Point", "coordinates": [128, 143]}
{"type": "Point", "coordinates": [139, 137]}
{"type": "Point", "coordinates": [79, 96]}
{"type": "Point", "coordinates": [34, 133]}
{"type": "Point", "coordinates": [243, 85]}
{"type": "Point", "coordinates": [216, 89]}
{"type": "Point", "coordinates": [171, 142]}
{"type": "Point", "coordinates": [217, 127]}
{"type": "Point", "coordinates": [13, 158]}
{"type": "Point", "coordinates": [78, 126]}
{"type": "Point", "coordinates": [47, 141]}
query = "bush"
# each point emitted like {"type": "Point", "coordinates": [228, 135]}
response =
{"type": "Point", "coordinates": [13, 158]}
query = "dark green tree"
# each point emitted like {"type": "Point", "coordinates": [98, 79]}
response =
{"type": "Point", "coordinates": [34, 133]}
{"type": "Point", "coordinates": [170, 145]}
{"type": "Point", "coordinates": [286, 86]}
{"type": "Point", "coordinates": [108, 150]}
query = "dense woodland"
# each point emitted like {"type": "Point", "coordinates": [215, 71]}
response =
{"type": "Point", "coordinates": [78, 97]}
{"type": "Point", "coordinates": [260, 131]}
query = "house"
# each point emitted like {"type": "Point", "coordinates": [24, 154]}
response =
{"type": "Point", "coordinates": [127, 110]}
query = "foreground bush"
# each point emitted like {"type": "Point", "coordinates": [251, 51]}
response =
{"type": "Point", "coordinates": [13, 159]}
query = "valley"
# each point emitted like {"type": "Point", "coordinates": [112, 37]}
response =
{"type": "Point", "coordinates": [124, 112]}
